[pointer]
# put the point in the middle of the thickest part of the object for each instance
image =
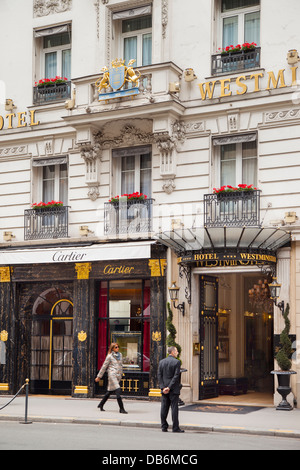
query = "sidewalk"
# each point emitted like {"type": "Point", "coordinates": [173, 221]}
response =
{"type": "Point", "coordinates": [266, 421]}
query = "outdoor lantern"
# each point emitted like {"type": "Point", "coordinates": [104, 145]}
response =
{"type": "Point", "coordinates": [274, 292]}
{"type": "Point", "coordinates": [173, 291]}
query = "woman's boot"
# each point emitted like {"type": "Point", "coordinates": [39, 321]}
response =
{"type": "Point", "coordinates": [103, 401]}
{"type": "Point", "coordinates": [120, 402]}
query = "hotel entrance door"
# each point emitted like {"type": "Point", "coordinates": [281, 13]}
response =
{"type": "Point", "coordinates": [208, 387]}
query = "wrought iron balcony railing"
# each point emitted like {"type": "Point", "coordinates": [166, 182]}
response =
{"type": "Point", "coordinates": [41, 224]}
{"type": "Point", "coordinates": [232, 209]}
{"type": "Point", "coordinates": [235, 61]}
{"type": "Point", "coordinates": [128, 217]}
{"type": "Point", "coordinates": [46, 94]}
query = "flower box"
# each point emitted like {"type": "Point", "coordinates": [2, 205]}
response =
{"type": "Point", "coordinates": [46, 206]}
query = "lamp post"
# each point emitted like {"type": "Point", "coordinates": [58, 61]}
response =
{"type": "Point", "coordinates": [173, 292]}
{"type": "Point", "coordinates": [274, 293]}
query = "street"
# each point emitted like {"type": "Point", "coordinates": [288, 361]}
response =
{"type": "Point", "coordinates": [50, 436]}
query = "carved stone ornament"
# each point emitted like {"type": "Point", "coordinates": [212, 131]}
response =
{"type": "Point", "coordinates": [169, 186]}
{"type": "Point", "coordinates": [92, 153]}
{"type": "Point", "coordinates": [157, 267]}
{"type": "Point", "coordinates": [48, 7]}
{"type": "Point", "coordinates": [5, 274]}
{"type": "Point", "coordinates": [83, 270]}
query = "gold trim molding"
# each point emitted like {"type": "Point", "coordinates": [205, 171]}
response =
{"type": "Point", "coordinates": [81, 390]}
{"type": "Point", "coordinates": [157, 267]}
{"type": "Point", "coordinates": [4, 387]}
{"type": "Point", "coordinates": [5, 274]}
{"type": "Point", "coordinates": [83, 270]}
{"type": "Point", "coordinates": [154, 392]}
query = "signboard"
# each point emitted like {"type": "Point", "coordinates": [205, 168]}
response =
{"type": "Point", "coordinates": [213, 260]}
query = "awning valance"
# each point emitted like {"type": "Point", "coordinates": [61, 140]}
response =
{"type": "Point", "coordinates": [132, 12]}
{"type": "Point", "coordinates": [234, 139]}
{"type": "Point", "coordinates": [40, 33]}
{"type": "Point", "coordinates": [103, 252]}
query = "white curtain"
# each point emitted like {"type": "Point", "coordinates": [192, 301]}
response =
{"type": "Point", "coordinates": [230, 31]}
{"type": "Point", "coordinates": [252, 28]}
{"type": "Point", "coordinates": [50, 65]}
{"type": "Point", "coordinates": [66, 64]}
{"type": "Point", "coordinates": [147, 49]}
{"type": "Point", "coordinates": [228, 165]}
{"type": "Point", "coordinates": [130, 49]}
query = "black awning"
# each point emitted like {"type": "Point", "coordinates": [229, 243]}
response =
{"type": "Point", "coordinates": [226, 241]}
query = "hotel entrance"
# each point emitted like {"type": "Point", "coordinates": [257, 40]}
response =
{"type": "Point", "coordinates": [236, 337]}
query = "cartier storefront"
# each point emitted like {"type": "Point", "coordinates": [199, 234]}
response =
{"type": "Point", "coordinates": [62, 307]}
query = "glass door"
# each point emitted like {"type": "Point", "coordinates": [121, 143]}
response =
{"type": "Point", "coordinates": [208, 387]}
{"type": "Point", "coordinates": [52, 347]}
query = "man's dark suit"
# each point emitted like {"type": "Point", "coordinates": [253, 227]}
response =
{"type": "Point", "coordinates": [169, 376]}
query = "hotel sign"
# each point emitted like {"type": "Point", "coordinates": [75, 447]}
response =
{"type": "Point", "coordinates": [214, 260]}
{"type": "Point", "coordinates": [245, 83]}
{"type": "Point", "coordinates": [19, 120]}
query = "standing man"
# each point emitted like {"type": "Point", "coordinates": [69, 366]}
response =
{"type": "Point", "coordinates": [169, 382]}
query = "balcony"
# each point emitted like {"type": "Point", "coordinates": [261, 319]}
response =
{"type": "Point", "coordinates": [49, 94]}
{"type": "Point", "coordinates": [235, 61]}
{"type": "Point", "coordinates": [232, 209]}
{"type": "Point", "coordinates": [41, 224]}
{"type": "Point", "coordinates": [128, 218]}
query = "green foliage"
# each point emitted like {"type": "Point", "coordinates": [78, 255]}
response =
{"type": "Point", "coordinates": [285, 351]}
{"type": "Point", "coordinates": [172, 331]}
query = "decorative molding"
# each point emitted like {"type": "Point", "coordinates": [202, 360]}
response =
{"type": "Point", "coordinates": [92, 153]}
{"type": "Point", "coordinates": [169, 186]}
{"type": "Point", "coordinates": [5, 274]}
{"type": "Point", "coordinates": [164, 17]}
{"type": "Point", "coordinates": [48, 7]}
{"type": "Point", "coordinates": [83, 270]}
{"type": "Point", "coordinates": [282, 115]}
{"type": "Point", "coordinates": [13, 151]}
{"type": "Point", "coordinates": [157, 267]}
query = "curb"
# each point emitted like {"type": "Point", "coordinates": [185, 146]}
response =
{"type": "Point", "coordinates": [156, 425]}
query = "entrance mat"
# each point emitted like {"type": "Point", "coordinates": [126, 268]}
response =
{"type": "Point", "coordinates": [233, 409]}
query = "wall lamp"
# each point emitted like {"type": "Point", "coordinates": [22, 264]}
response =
{"type": "Point", "coordinates": [274, 293]}
{"type": "Point", "coordinates": [173, 292]}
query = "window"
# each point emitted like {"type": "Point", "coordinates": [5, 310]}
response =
{"type": "Point", "coordinates": [57, 56]}
{"type": "Point", "coordinates": [240, 22]}
{"type": "Point", "coordinates": [237, 164]}
{"type": "Point", "coordinates": [51, 180]}
{"type": "Point", "coordinates": [132, 171]}
{"type": "Point", "coordinates": [55, 183]}
{"type": "Point", "coordinates": [124, 318]}
{"type": "Point", "coordinates": [137, 40]}
{"type": "Point", "coordinates": [133, 33]}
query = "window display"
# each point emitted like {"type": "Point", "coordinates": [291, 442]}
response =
{"type": "Point", "coordinates": [124, 318]}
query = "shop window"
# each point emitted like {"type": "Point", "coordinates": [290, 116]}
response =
{"type": "Point", "coordinates": [124, 318]}
{"type": "Point", "coordinates": [133, 30]}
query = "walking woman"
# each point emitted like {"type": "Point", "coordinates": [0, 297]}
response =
{"type": "Point", "coordinates": [113, 365]}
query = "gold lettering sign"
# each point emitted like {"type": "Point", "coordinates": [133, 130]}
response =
{"type": "Point", "coordinates": [222, 260]}
{"type": "Point", "coordinates": [19, 120]}
{"type": "Point", "coordinates": [109, 269]}
{"type": "Point", "coordinates": [208, 89]}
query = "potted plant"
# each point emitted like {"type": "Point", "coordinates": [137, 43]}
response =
{"type": "Point", "coordinates": [229, 190]}
{"type": "Point", "coordinates": [133, 197]}
{"type": "Point", "coordinates": [45, 83]}
{"type": "Point", "coordinates": [46, 206]}
{"type": "Point", "coordinates": [283, 358]}
{"type": "Point", "coordinates": [229, 50]}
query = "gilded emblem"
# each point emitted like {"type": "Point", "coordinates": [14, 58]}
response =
{"type": "Point", "coordinates": [82, 336]}
{"type": "Point", "coordinates": [156, 336]}
{"type": "Point", "coordinates": [118, 75]}
{"type": "Point", "coordinates": [4, 336]}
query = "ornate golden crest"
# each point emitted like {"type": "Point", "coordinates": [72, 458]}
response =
{"type": "Point", "coordinates": [118, 75]}
{"type": "Point", "coordinates": [156, 336]}
{"type": "Point", "coordinates": [4, 336]}
{"type": "Point", "coordinates": [82, 336]}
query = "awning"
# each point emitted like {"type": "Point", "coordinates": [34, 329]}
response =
{"type": "Point", "coordinates": [103, 252]}
{"type": "Point", "coordinates": [230, 242]}
{"type": "Point", "coordinates": [132, 12]}
{"type": "Point", "coordinates": [39, 33]}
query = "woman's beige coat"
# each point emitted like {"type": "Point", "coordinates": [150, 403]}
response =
{"type": "Point", "coordinates": [114, 368]}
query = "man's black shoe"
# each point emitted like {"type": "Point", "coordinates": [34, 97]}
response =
{"type": "Point", "coordinates": [179, 430]}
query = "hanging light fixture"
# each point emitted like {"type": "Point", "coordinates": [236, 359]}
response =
{"type": "Point", "coordinates": [275, 287]}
